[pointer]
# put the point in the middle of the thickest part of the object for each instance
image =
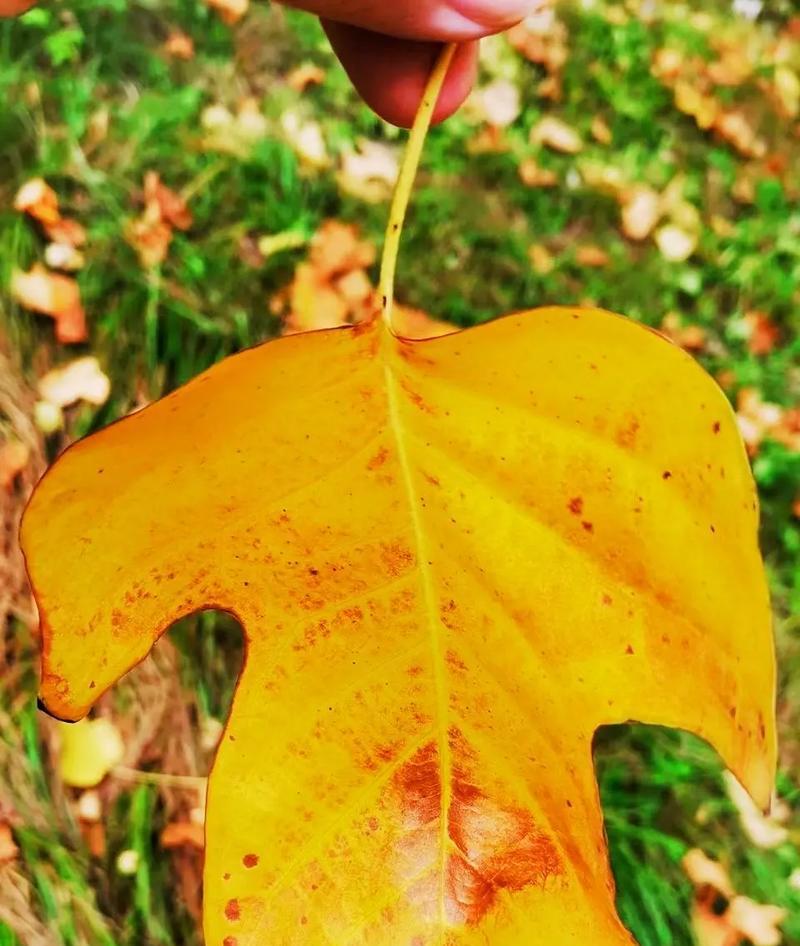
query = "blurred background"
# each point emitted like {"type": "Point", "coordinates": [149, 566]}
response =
{"type": "Point", "coordinates": [180, 179]}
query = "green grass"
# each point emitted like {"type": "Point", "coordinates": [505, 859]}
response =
{"type": "Point", "coordinates": [465, 258]}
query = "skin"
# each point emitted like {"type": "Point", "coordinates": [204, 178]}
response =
{"type": "Point", "coordinates": [388, 47]}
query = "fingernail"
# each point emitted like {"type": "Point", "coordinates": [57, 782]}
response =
{"type": "Point", "coordinates": [495, 14]}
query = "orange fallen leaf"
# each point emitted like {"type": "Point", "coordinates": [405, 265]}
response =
{"type": "Point", "coordinates": [179, 45]}
{"type": "Point", "coordinates": [532, 175]}
{"type": "Point", "coordinates": [39, 200]}
{"type": "Point", "coordinates": [172, 208]}
{"type": "Point", "coordinates": [762, 333]}
{"type": "Point", "coordinates": [14, 457]}
{"type": "Point", "coordinates": [600, 130]}
{"type": "Point", "coordinates": [720, 917]}
{"type": "Point", "coordinates": [553, 133]}
{"type": "Point", "coordinates": [55, 295]}
{"type": "Point", "coordinates": [541, 258]}
{"type": "Point", "coordinates": [592, 255]}
{"type": "Point", "coordinates": [305, 75]}
{"type": "Point", "coordinates": [411, 671]}
{"type": "Point", "coordinates": [691, 338]}
{"type": "Point", "coordinates": [183, 834]}
{"type": "Point", "coordinates": [230, 11]}
{"type": "Point", "coordinates": [8, 848]}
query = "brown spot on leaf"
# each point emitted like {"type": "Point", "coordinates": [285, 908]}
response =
{"type": "Point", "coordinates": [716, 427]}
{"type": "Point", "coordinates": [230, 941]}
{"type": "Point", "coordinates": [396, 558]}
{"type": "Point", "coordinates": [250, 860]}
{"type": "Point", "coordinates": [588, 526]}
{"type": "Point", "coordinates": [497, 847]}
{"type": "Point", "coordinates": [379, 459]}
{"type": "Point", "coordinates": [232, 911]}
{"type": "Point", "coordinates": [575, 505]}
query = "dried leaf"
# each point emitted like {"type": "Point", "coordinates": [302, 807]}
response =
{"type": "Point", "coordinates": [674, 243]}
{"type": "Point", "coordinates": [600, 130]}
{"type": "Point", "coordinates": [432, 570]}
{"type": "Point", "coordinates": [39, 200]}
{"type": "Point", "coordinates": [370, 172]}
{"type": "Point", "coordinates": [305, 75]}
{"type": "Point", "coordinates": [90, 749]}
{"type": "Point", "coordinates": [183, 834]}
{"type": "Point", "coordinates": [691, 338]}
{"type": "Point", "coordinates": [179, 45]}
{"type": "Point", "coordinates": [704, 109]}
{"type": "Point", "coordinates": [737, 130]}
{"type": "Point", "coordinates": [54, 295]}
{"type": "Point", "coordinates": [703, 871]}
{"type": "Point", "coordinates": [498, 103]}
{"type": "Point", "coordinates": [8, 847]}
{"type": "Point", "coordinates": [762, 333]}
{"type": "Point", "coordinates": [230, 11]}
{"type": "Point", "coordinates": [14, 456]}
{"type": "Point", "coordinates": [641, 211]}
{"type": "Point", "coordinates": [306, 139]}
{"type": "Point", "coordinates": [63, 256]}
{"type": "Point", "coordinates": [532, 175]}
{"type": "Point", "coordinates": [552, 132]}
{"type": "Point", "coordinates": [172, 208]}
{"type": "Point", "coordinates": [765, 832]}
{"type": "Point", "coordinates": [592, 256]}
{"type": "Point", "coordinates": [541, 259]}
{"type": "Point", "coordinates": [79, 380]}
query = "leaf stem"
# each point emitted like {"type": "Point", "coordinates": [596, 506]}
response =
{"type": "Point", "coordinates": [406, 177]}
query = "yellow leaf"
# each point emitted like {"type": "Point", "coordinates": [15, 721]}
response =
{"type": "Point", "coordinates": [89, 751]}
{"type": "Point", "coordinates": [453, 560]}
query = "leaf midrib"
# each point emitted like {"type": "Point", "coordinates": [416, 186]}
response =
{"type": "Point", "coordinates": [395, 423]}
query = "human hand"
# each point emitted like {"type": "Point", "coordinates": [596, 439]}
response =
{"type": "Point", "coordinates": [388, 47]}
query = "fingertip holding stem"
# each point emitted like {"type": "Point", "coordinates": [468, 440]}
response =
{"type": "Point", "coordinates": [391, 74]}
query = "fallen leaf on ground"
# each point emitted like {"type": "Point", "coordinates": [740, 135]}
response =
{"type": "Point", "coordinates": [8, 848]}
{"type": "Point", "coordinates": [369, 171]}
{"type": "Point", "coordinates": [759, 420]}
{"type": "Point", "coordinates": [674, 243]}
{"type": "Point", "coordinates": [14, 456]}
{"type": "Point", "coordinates": [55, 295]}
{"type": "Point", "coordinates": [600, 130]}
{"type": "Point", "coordinates": [532, 175]}
{"type": "Point", "coordinates": [762, 333]}
{"type": "Point", "coordinates": [233, 134]}
{"type": "Point", "coordinates": [306, 138]}
{"type": "Point", "coordinates": [90, 749]}
{"type": "Point", "coordinates": [553, 133]}
{"type": "Point", "coordinates": [720, 917]}
{"type": "Point", "coordinates": [737, 130]}
{"type": "Point", "coordinates": [498, 103]}
{"type": "Point", "coordinates": [39, 200]}
{"type": "Point", "coordinates": [63, 256]}
{"type": "Point", "coordinates": [434, 568]}
{"type": "Point", "coordinates": [764, 831]}
{"type": "Point", "coordinates": [183, 834]}
{"type": "Point", "coordinates": [541, 258]}
{"type": "Point", "coordinates": [592, 256]}
{"type": "Point", "coordinates": [79, 380]}
{"type": "Point", "coordinates": [172, 208]}
{"type": "Point", "coordinates": [691, 338]}
{"type": "Point", "coordinates": [14, 7]}
{"type": "Point", "coordinates": [641, 211]}
{"type": "Point", "coordinates": [179, 45]}
{"type": "Point", "coordinates": [305, 75]}
{"type": "Point", "coordinates": [230, 11]}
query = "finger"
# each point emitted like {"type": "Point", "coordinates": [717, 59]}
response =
{"type": "Point", "coordinates": [391, 74]}
{"type": "Point", "coordinates": [434, 20]}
